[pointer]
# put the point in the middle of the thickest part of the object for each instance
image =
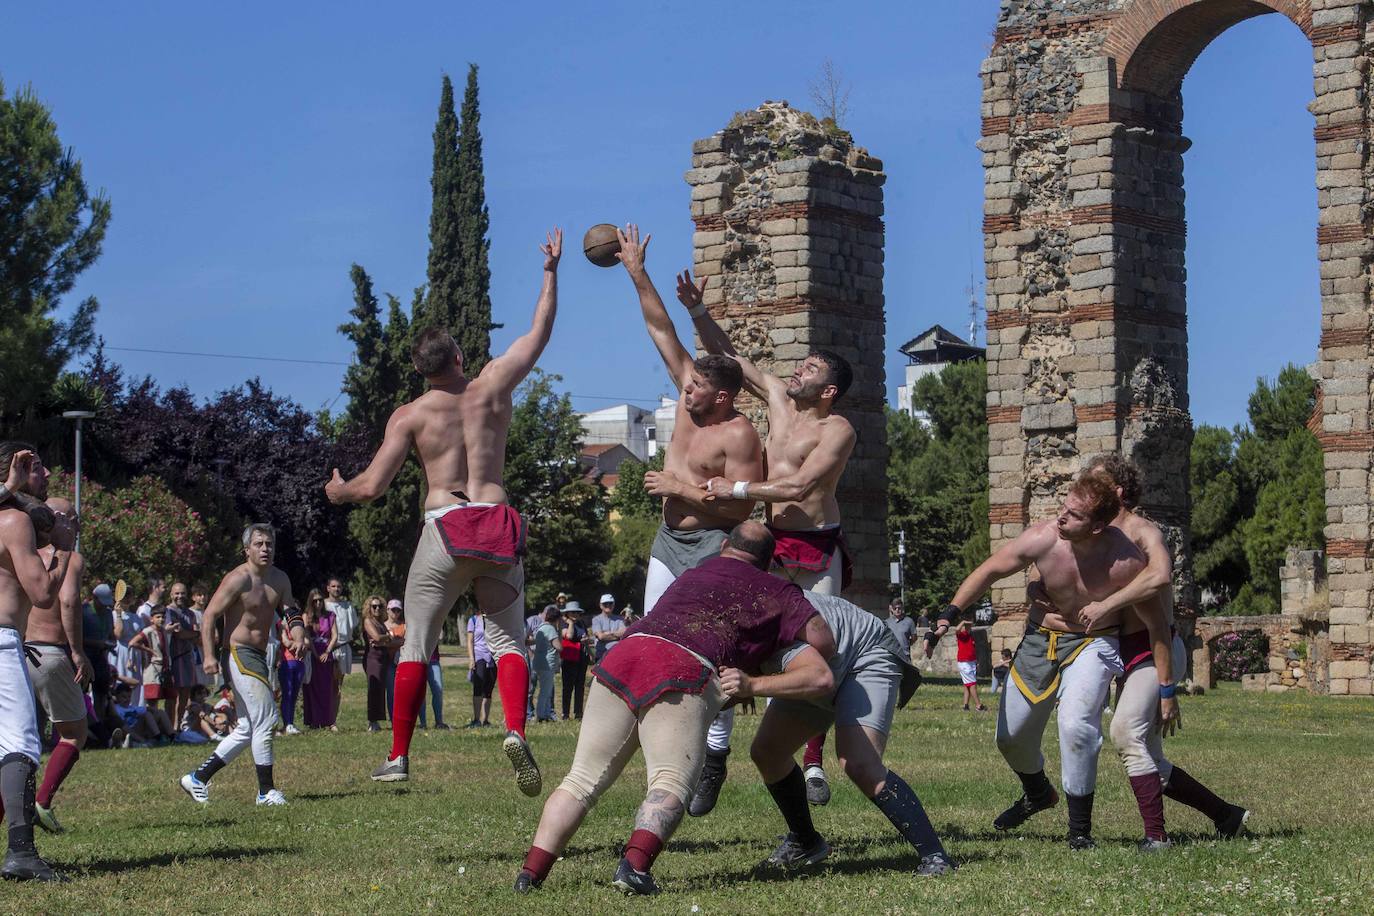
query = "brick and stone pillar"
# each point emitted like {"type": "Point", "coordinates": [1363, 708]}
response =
{"type": "Point", "coordinates": [789, 230]}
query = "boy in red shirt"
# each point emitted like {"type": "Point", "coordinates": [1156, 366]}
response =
{"type": "Point", "coordinates": [968, 664]}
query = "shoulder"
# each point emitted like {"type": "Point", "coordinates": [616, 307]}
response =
{"type": "Point", "coordinates": [739, 430]}
{"type": "Point", "coordinates": [1040, 536]}
{"type": "Point", "coordinates": [13, 520]}
{"type": "Point", "coordinates": [1144, 533]}
{"type": "Point", "coordinates": [838, 428]}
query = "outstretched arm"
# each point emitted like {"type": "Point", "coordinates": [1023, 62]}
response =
{"type": "Point", "coordinates": [373, 481]}
{"type": "Point", "coordinates": [1011, 557]}
{"type": "Point", "coordinates": [1149, 582]}
{"type": "Point", "coordinates": [510, 368]}
{"type": "Point", "coordinates": [661, 330]}
{"type": "Point", "coordinates": [825, 460]}
{"type": "Point", "coordinates": [713, 337]}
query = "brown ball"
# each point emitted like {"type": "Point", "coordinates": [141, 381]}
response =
{"type": "Point", "coordinates": [601, 245]}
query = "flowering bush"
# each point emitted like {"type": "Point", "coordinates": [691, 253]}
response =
{"type": "Point", "coordinates": [136, 531]}
{"type": "Point", "coordinates": [1235, 654]}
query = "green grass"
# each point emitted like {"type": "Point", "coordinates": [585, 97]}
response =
{"type": "Point", "coordinates": [452, 839]}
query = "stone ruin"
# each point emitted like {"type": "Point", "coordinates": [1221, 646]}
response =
{"type": "Point", "coordinates": [789, 230]}
{"type": "Point", "coordinates": [1084, 230]}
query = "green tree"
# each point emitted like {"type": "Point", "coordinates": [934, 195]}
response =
{"type": "Point", "coordinates": [629, 498]}
{"type": "Point", "coordinates": [52, 230]}
{"type": "Point", "coordinates": [474, 324]}
{"type": "Point", "coordinates": [444, 270]}
{"type": "Point", "coordinates": [569, 545]}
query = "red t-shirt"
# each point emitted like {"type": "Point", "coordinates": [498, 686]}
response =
{"type": "Point", "coordinates": [967, 651]}
{"type": "Point", "coordinates": [729, 613]}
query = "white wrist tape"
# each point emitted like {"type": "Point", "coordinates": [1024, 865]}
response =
{"type": "Point", "coordinates": [697, 311]}
{"type": "Point", "coordinates": [740, 490]}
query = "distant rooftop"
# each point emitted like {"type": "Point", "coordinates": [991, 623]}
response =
{"type": "Point", "coordinates": [938, 345]}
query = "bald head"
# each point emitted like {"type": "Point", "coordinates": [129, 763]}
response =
{"type": "Point", "coordinates": [751, 542]}
{"type": "Point", "coordinates": [58, 504]}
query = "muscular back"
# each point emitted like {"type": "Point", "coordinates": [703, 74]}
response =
{"type": "Point", "coordinates": [460, 435]}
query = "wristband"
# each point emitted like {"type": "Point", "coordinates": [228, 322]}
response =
{"type": "Point", "coordinates": [1166, 691]}
{"type": "Point", "coordinates": [740, 489]}
{"type": "Point", "coordinates": [697, 311]}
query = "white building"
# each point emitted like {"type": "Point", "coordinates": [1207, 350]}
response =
{"type": "Point", "coordinates": [623, 424]}
{"type": "Point", "coordinates": [928, 353]}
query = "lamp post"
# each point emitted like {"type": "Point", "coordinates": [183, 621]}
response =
{"type": "Point", "coordinates": [901, 562]}
{"type": "Point", "coordinates": [80, 416]}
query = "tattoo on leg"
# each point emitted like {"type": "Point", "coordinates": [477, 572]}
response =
{"type": "Point", "coordinates": [660, 814]}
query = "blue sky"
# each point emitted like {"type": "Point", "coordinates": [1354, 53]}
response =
{"type": "Point", "coordinates": [253, 152]}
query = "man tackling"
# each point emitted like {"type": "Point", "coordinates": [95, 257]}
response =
{"type": "Point", "coordinates": [250, 598]}
{"type": "Point", "coordinates": [27, 580]}
{"type": "Point", "coordinates": [471, 535]}
{"type": "Point", "coordinates": [806, 453]}
{"type": "Point", "coordinates": [1080, 558]}
{"type": "Point", "coordinates": [710, 439]}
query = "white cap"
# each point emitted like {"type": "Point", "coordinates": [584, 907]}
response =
{"type": "Point", "coordinates": [393, 603]}
{"type": "Point", "coordinates": [608, 599]}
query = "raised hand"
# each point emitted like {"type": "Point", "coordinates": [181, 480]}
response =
{"type": "Point", "coordinates": [333, 489]}
{"type": "Point", "coordinates": [632, 250]}
{"type": "Point", "coordinates": [18, 471]}
{"type": "Point", "coordinates": [552, 248]}
{"type": "Point", "coordinates": [688, 292]}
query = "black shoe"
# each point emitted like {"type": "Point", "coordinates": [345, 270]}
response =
{"type": "Point", "coordinates": [1021, 810]}
{"type": "Point", "coordinates": [526, 882]}
{"type": "Point", "coordinates": [1233, 824]}
{"type": "Point", "coordinates": [634, 882]}
{"type": "Point", "coordinates": [1081, 841]}
{"type": "Point", "coordinates": [1152, 845]}
{"type": "Point", "coordinates": [935, 864]}
{"type": "Point", "coordinates": [708, 786]}
{"type": "Point", "coordinates": [793, 853]}
{"type": "Point", "coordinates": [817, 787]}
{"type": "Point", "coordinates": [473, 724]}
{"type": "Point", "coordinates": [28, 865]}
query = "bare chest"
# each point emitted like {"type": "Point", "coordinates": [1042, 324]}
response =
{"type": "Point", "coordinates": [697, 452]}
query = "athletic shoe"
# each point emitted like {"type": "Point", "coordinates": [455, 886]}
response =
{"type": "Point", "coordinates": [1021, 810]}
{"type": "Point", "coordinates": [473, 724]}
{"type": "Point", "coordinates": [292, 730]}
{"type": "Point", "coordinates": [526, 882]}
{"type": "Point", "coordinates": [935, 864]}
{"type": "Point", "coordinates": [46, 819]}
{"type": "Point", "coordinates": [443, 726]}
{"type": "Point", "coordinates": [397, 770]}
{"type": "Point", "coordinates": [1152, 845]}
{"type": "Point", "coordinates": [117, 738]}
{"type": "Point", "coordinates": [1081, 841]}
{"type": "Point", "coordinates": [373, 727]}
{"type": "Point", "coordinates": [817, 786]}
{"type": "Point", "coordinates": [522, 758]}
{"type": "Point", "coordinates": [272, 797]}
{"type": "Point", "coordinates": [792, 853]}
{"type": "Point", "coordinates": [708, 786]}
{"type": "Point", "coordinates": [634, 882]}
{"type": "Point", "coordinates": [28, 865]}
{"type": "Point", "coordinates": [1233, 824]}
{"type": "Point", "coordinates": [198, 790]}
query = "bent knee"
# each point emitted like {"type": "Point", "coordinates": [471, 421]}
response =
{"type": "Point", "coordinates": [1080, 737]}
{"type": "Point", "coordinates": [866, 774]}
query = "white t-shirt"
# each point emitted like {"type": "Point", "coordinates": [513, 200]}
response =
{"type": "Point", "coordinates": [345, 619]}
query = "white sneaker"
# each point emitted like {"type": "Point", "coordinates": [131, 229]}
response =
{"type": "Point", "coordinates": [274, 797]}
{"type": "Point", "coordinates": [292, 730]}
{"type": "Point", "coordinates": [195, 788]}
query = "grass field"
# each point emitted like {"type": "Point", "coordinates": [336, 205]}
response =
{"type": "Point", "coordinates": [452, 839]}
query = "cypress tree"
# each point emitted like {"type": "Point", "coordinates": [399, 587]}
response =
{"type": "Point", "coordinates": [440, 306]}
{"type": "Point", "coordinates": [474, 275]}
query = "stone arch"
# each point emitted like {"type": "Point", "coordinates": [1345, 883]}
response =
{"type": "Point", "coordinates": [1085, 231]}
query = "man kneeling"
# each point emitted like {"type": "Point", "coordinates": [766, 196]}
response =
{"type": "Point", "coordinates": [872, 678]}
{"type": "Point", "coordinates": [659, 690]}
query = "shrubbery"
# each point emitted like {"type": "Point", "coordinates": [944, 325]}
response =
{"type": "Point", "coordinates": [1235, 654]}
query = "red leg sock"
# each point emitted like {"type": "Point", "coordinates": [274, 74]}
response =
{"type": "Point", "coordinates": [1149, 797]}
{"type": "Point", "coordinates": [538, 863]}
{"type": "Point", "coordinates": [812, 757]}
{"type": "Point", "coordinates": [642, 849]}
{"type": "Point", "coordinates": [513, 681]}
{"type": "Point", "coordinates": [409, 697]}
{"type": "Point", "coordinates": [60, 763]}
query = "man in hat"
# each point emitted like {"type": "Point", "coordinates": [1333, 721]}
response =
{"type": "Point", "coordinates": [607, 627]}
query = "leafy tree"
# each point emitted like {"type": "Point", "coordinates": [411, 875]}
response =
{"type": "Point", "coordinates": [542, 447]}
{"type": "Point", "coordinates": [627, 568]}
{"type": "Point", "coordinates": [569, 545]}
{"type": "Point", "coordinates": [52, 230]}
{"type": "Point", "coordinates": [630, 499]}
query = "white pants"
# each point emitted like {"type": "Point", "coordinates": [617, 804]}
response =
{"type": "Point", "coordinates": [1135, 724]}
{"type": "Point", "coordinates": [824, 582]}
{"type": "Point", "coordinates": [656, 582]}
{"type": "Point", "coordinates": [18, 721]}
{"type": "Point", "coordinates": [1081, 697]}
{"type": "Point", "coordinates": [257, 716]}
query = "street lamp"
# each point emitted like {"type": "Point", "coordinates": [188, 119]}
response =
{"type": "Point", "coordinates": [79, 416]}
{"type": "Point", "coordinates": [901, 562]}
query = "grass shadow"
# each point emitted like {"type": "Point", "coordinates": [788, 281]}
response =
{"type": "Point", "coordinates": [220, 854]}
{"type": "Point", "coordinates": [341, 793]}
{"type": "Point", "coordinates": [844, 865]}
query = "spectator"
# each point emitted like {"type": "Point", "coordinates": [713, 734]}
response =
{"type": "Point", "coordinates": [546, 659]}
{"type": "Point", "coordinates": [321, 640]}
{"type": "Point", "coordinates": [924, 618]}
{"type": "Point", "coordinates": [201, 718]}
{"type": "Point", "coordinates": [999, 674]}
{"type": "Point", "coordinates": [561, 600]}
{"type": "Point", "coordinates": [346, 628]}
{"type": "Point", "coordinates": [607, 627]}
{"type": "Point", "coordinates": [902, 626]}
{"type": "Point", "coordinates": [481, 670]}
{"type": "Point", "coordinates": [532, 624]}
{"type": "Point", "coordinates": [200, 600]}
{"type": "Point", "coordinates": [156, 589]}
{"type": "Point", "coordinates": [396, 626]}
{"type": "Point", "coordinates": [434, 678]}
{"type": "Point", "coordinates": [143, 725]}
{"type": "Point", "coordinates": [183, 635]}
{"type": "Point", "coordinates": [152, 642]}
{"type": "Point", "coordinates": [291, 670]}
{"type": "Point", "coordinates": [377, 664]}
{"type": "Point", "coordinates": [574, 657]}
{"type": "Point", "coordinates": [126, 623]}
{"type": "Point", "coordinates": [97, 633]}
{"type": "Point", "coordinates": [968, 664]}
{"type": "Point", "coordinates": [630, 614]}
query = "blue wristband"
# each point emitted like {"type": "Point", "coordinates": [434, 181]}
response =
{"type": "Point", "coordinates": [1166, 691]}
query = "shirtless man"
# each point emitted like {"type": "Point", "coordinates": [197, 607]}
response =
{"type": "Point", "coordinates": [710, 439]}
{"type": "Point", "coordinates": [471, 536]}
{"type": "Point", "coordinates": [27, 580]}
{"type": "Point", "coordinates": [59, 670]}
{"type": "Point", "coordinates": [250, 598]}
{"type": "Point", "coordinates": [807, 450]}
{"type": "Point", "coordinates": [1154, 658]}
{"type": "Point", "coordinates": [1080, 558]}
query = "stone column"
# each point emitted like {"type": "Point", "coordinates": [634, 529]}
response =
{"type": "Point", "coordinates": [789, 230]}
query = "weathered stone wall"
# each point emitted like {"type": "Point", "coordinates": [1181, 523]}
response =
{"type": "Point", "coordinates": [789, 232]}
{"type": "Point", "coordinates": [1085, 238]}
